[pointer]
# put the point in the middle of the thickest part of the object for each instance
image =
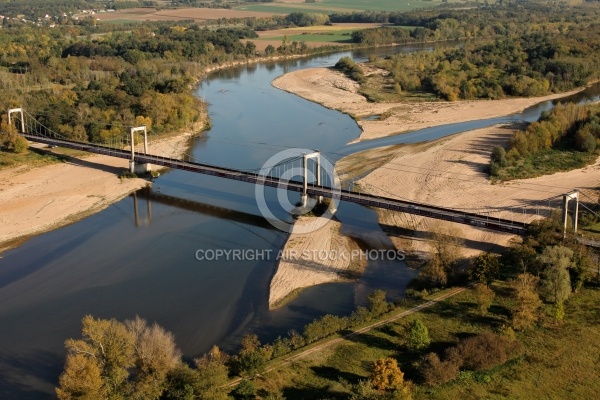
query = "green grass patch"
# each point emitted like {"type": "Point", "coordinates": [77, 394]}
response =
{"type": "Point", "coordinates": [592, 228]}
{"type": "Point", "coordinates": [121, 21]}
{"type": "Point", "coordinates": [546, 162]}
{"type": "Point", "coordinates": [329, 37]}
{"type": "Point", "coordinates": [378, 88]}
{"type": "Point", "coordinates": [30, 158]}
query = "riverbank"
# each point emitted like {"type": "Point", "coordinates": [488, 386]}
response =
{"type": "Point", "coordinates": [334, 90]}
{"type": "Point", "coordinates": [40, 199]}
{"type": "Point", "coordinates": [313, 258]}
{"type": "Point", "coordinates": [452, 172]}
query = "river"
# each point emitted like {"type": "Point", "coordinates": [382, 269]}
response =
{"type": "Point", "coordinates": [114, 265]}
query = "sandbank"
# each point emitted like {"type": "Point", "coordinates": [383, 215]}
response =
{"type": "Point", "coordinates": [334, 90]}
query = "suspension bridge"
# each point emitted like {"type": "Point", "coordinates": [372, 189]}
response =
{"type": "Point", "coordinates": [30, 128]}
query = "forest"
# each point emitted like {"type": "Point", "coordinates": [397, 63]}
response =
{"type": "Point", "coordinates": [508, 57]}
{"type": "Point", "coordinates": [93, 89]}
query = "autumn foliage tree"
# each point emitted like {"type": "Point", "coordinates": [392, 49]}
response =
{"type": "Point", "coordinates": [526, 301]}
{"type": "Point", "coordinates": [387, 377]}
{"type": "Point", "coordinates": [118, 360]}
{"type": "Point", "coordinates": [484, 297]}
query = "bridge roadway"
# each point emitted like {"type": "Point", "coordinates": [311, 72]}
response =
{"type": "Point", "coordinates": [447, 214]}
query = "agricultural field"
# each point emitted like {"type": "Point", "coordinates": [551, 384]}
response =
{"type": "Point", "coordinates": [196, 14]}
{"type": "Point", "coordinates": [313, 36]}
{"type": "Point", "coordinates": [330, 6]}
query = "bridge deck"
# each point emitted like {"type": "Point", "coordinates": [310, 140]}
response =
{"type": "Point", "coordinates": [447, 214]}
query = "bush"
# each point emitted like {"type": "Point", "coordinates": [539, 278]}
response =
{"type": "Point", "coordinates": [377, 303]}
{"type": "Point", "coordinates": [484, 297]}
{"type": "Point", "coordinates": [20, 144]}
{"type": "Point", "coordinates": [487, 350]}
{"type": "Point", "coordinates": [350, 69]}
{"type": "Point", "coordinates": [436, 372]}
{"type": "Point", "coordinates": [499, 156]}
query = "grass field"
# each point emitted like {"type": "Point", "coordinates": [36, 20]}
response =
{"type": "Point", "coordinates": [31, 158]}
{"type": "Point", "coordinates": [560, 361]}
{"type": "Point", "coordinates": [342, 36]}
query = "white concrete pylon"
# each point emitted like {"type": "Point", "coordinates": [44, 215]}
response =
{"type": "Point", "coordinates": [20, 111]}
{"type": "Point", "coordinates": [305, 157]}
{"type": "Point", "coordinates": [574, 195]}
{"type": "Point", "coordinates": [132, 166]}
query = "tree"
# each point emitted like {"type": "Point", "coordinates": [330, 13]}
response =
{"type": "Point", "coordinates": [155, 353]}
{"type": "Point", "coordinates": [499, 156]}
{"type": "Point", "coordinates": [579, 271]}
{"type": "Point", "coordinates": [487, 350]}
{"type": "Point", "coordinates": [386, 376]}
{"type": "Point", "coordinates": [245, 390]}
{"type": "Point", "coordinates": [107, 347]}
{"type": "Point", "coordinates": [117, 360]}
{"type": "Point", "coordinates": [556, 282]}
{"type": "Point", "coordinates": [445, 249]}
{"type": "Point", "coordinates": [485, 268]}
{"type": "Point", "coordinates": [252, 358]}
{"type": "Point", "coordinates": [10, 139]}
{"type": "Point", "coordinates": [81, 379]}
{"type": "Point", "coordinates": [377, 303]}
{"type": "Point", "coordinates": [416, 335]}
{"type": "Point", "coordinates": [212, 375]}
{"type": "Point", "coordinates": [484, 296]}
{"type": "Point", "coordinates": [527, 301]}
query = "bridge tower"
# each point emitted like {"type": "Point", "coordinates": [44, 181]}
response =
{"type": "Point", "coordinates": [305, 157]}
{"type": "Point", "coordinates": [20, 111]}
{"type": "Point", "coordinates": [133, 167]}
{"type": "Point", "coordinates": [574, 195]}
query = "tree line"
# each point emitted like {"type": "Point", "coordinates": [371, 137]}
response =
{"type": "Point", "coordinates": [568, 128]}
{"type": "Point", "coordinates": [532, 64]}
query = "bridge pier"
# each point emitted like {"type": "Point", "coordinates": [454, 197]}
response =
{"type": "Point", "coordinates": [305, 157]}
{"type": "Point", "coordinates": [138, 169]}
{"type": "Point", "coordinates": [566, 198]}
{"type": "Point", "coordinates": [20, 111]}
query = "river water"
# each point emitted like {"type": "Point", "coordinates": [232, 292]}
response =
{"type": "Point", "coordinates": [138, 257]}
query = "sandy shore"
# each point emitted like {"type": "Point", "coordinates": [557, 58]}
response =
{"type": "Point", "coordinates": [37, 200]}
{"type": "Point", "coordinates": [450, 172]}
{"type": "Point", "coordinates": [301, 265]}
{"type": "Point", "coordinates": [334, 90]}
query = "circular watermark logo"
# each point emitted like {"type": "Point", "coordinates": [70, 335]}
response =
{"type": "Point", "coordinates": [284, 166]}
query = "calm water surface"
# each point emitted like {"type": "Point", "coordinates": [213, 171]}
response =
{"type": "Point", "coordinates": [113, 264]}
